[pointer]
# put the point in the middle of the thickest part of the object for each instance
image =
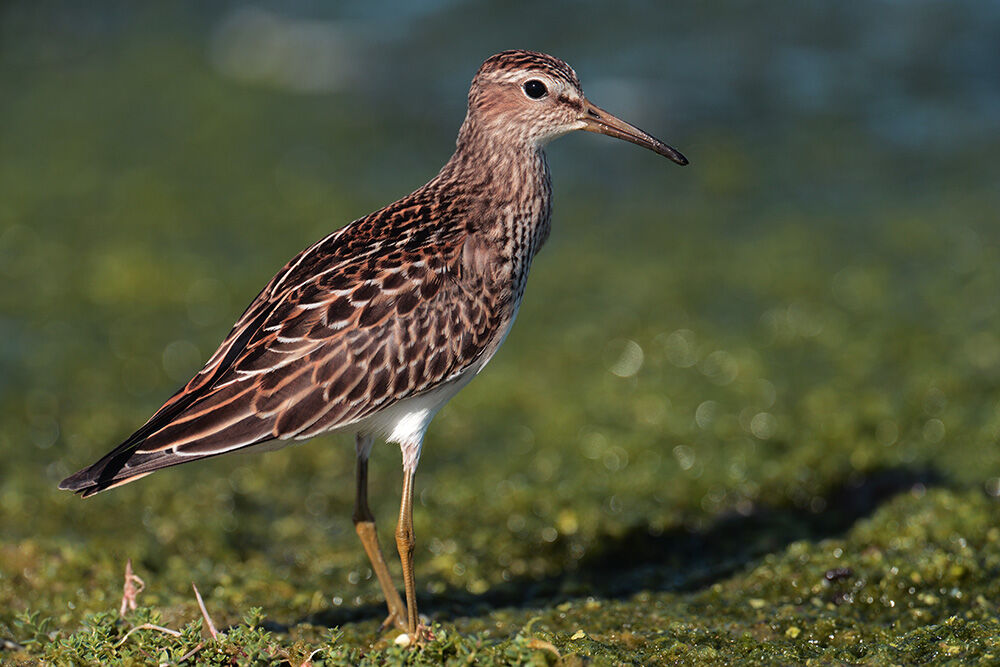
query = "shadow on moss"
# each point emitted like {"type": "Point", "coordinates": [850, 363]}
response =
{"type": "Point", "coordinates": [679, 560]}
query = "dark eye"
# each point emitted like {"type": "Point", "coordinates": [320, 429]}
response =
{"type": "Point", "coordinates": [535, 89]}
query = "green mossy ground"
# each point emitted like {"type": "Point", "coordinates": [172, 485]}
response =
{"type": "Point", "coordinates": [750, 410]}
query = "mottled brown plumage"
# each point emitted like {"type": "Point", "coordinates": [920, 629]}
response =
{"type": "Point", "coordinates": [372, 329]}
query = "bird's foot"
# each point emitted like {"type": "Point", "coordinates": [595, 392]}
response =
{"type": "Point", "coordinates": [393, 620]}
{"type": "Point", "coordinates": [419, 638]}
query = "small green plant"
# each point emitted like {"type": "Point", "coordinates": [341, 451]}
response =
{"type": "Point", "coordinates": [33, 629]}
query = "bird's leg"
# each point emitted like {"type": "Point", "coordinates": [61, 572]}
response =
{"type": "Point", "coordinates": [364, 526]}
{"type": "Point", "coordinates": [404, 543]}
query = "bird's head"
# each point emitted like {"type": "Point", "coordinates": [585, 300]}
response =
{"type": "Point", "coordinates": [534, 97]}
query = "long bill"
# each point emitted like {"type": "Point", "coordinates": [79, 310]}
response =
{"type": "Point", "coordinates": [596, 119]}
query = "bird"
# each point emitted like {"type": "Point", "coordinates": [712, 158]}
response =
{"type": "Point", "coordinates": [372, 329]}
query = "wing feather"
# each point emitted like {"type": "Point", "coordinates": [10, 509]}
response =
{"type": "Point", "coordinates": [368, 316]}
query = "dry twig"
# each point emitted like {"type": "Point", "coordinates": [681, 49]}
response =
{"type": "Point", "coordinates": [191, 653]}
{"type": "Point", "coordinates": [204, 612]}
{"type": "Point", "coordinates": [131, 589]}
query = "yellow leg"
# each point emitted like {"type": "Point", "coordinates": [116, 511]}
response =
{"type": "Point", "coordinates": [404, 543]}
{"type": "Point", "coordinates": [364, 526]}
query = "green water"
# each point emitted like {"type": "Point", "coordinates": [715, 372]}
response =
{"type": "Point", "coordinates": [750, 410]}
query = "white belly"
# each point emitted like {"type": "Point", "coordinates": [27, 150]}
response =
{"type": "Point", "coordinates": [406, 421]}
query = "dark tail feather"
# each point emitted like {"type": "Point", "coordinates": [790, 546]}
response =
{"type": "Point", "coordinates": [117, 468]}
{"type": "Point", "coordinates": [125, 464]}
{"type": "Point", "coordinates": [122, 467]}
{"type": "Point", "coordinates": [163, 442]}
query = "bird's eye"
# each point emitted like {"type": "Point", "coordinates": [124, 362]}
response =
{"type": "Point", "coordinates": [535, 89]}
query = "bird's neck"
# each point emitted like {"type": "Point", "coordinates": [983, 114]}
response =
{"type": "Point", "coordinates": [506, 193]}
{"type": "Point", "coordinates": [505, 171]}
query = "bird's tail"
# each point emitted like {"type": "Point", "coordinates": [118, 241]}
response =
{"type": "Point", "coordinates": [121, 467]}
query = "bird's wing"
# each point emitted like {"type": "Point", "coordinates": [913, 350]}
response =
{"type": "Point", "coordinates": [326, 344]}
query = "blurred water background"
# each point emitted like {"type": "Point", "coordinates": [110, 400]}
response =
{"type": "Point", "coordinates": [815, 298]}
{"type": "Point", "coordinates": [169, 129]}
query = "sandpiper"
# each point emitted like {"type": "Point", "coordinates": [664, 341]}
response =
{"type": "Point", "coordinates": [374, 328]}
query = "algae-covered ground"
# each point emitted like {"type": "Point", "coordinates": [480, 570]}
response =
{"type": "Point", "coordinates": [750, 411]}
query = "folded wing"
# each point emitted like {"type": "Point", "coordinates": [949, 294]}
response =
{"type": "Point", "coordinates": [326, 344]}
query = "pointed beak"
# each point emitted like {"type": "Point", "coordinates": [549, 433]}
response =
{"type": "Point", "coordinates": [596, 119]}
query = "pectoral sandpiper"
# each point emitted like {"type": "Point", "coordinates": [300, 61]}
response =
{"type": "Point", "coordinates": [374, 328]}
